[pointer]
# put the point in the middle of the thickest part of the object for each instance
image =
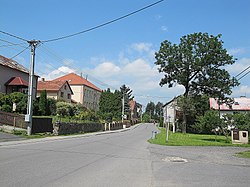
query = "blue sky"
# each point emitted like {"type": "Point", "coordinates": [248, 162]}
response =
{"type": "Point", "coordinates": [122, 52]}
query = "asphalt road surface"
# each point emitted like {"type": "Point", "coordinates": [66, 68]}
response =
{"type": "Point", "coordinates": [4, 137]}
{"type": "Point", "coordinates": [119, 159]}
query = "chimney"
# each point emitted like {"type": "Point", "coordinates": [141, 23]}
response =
{"type": "Point", "coordinates": [43, 79]}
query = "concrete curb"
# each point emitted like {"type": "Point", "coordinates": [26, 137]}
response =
{"type": "Point", "coordinates": [55, 138]}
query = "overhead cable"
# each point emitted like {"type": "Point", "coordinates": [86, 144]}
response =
{"type": "Point", "coordinates": [19, 53]}
{"type": "Point", "coordinates": [10, 43]}
{"type": "Point", "coordinates": [104, 24]}
{"type": "Point", "coordinates": [14, 36]}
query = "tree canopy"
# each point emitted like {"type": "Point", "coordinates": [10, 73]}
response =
{"type": "Point", "coordinates": [197, 63]}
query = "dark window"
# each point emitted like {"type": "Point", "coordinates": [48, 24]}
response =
{"type": "Point", "coordinates": [244, 134]}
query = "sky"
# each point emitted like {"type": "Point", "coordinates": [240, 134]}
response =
{"type": "Point", "coordinates": [122, 52]}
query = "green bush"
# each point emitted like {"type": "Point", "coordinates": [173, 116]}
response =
{"type": "Point", "coordinates": [64, 109]}
{"type": "Point", "coordinates": [206, 123]}
{"type": "Point", "coordinates": [6, 108]}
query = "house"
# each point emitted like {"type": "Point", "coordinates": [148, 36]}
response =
{"type": "Point", "coordinates": [240, 105]}
{"type": "Point", "coordinates": [135, 111]}
{"type": "Point", "coordinates": [14, 77]}
{"type": "Point", "coordinates": [55, 89]}
{"type": "Point", "coordinates": [84, 91]}
{"type": "Point", "coordinates": [171, 112]}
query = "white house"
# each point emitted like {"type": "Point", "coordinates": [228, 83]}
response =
{"type": "Point", "coordinates": [170, 110]}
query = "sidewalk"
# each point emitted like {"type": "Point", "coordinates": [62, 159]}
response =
{"type": "Point", "coordinates": [61, 137]}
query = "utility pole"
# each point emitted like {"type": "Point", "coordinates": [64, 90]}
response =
{"type": "Point", "coordinates": [123, 103]}
{"type": "Point", "coordinates": [28, 117]}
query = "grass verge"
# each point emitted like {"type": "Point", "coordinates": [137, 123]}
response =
{"type": "Point", "coordinates": [24, 134]}
{"type": "Point", "coordinates": [180, 139]}
{"type": "Point", "coordinates": [245, 154]}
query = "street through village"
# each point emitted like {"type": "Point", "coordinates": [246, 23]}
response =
{"type": "Point", "coordinates": [122, 158]}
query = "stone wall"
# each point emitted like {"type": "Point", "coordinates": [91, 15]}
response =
{"type": "Point", "coordinates": [73, 128]}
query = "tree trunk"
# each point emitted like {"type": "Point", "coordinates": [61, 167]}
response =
{"type": "Point", "coordinates": [184, 123]}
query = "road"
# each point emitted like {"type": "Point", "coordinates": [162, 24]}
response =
{"type": "Point", "coordinates": [119, 159]}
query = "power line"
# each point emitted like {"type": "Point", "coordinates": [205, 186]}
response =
{"type": "Point", "coordinates": [10, 43]}
{"type": "Point", "coordinates": [244, 75]}
{"type": "Point", "coordinates": [20, 52]}
{"type": "Point", "coordinates": [104, 24]}
{"type": "Point", "coordinates": [17, 37]}
{"type": "Point", "coordinates": [242, 71]}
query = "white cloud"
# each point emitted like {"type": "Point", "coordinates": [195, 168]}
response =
{"type": "Point", "coordinates": [239, 65]}
{"type": "Point", "coordinates": [142, 47]}
{"type": "Point", "coordinates": [243, 90]}
{"type": "Point", "coordinates": [57, 73]}
{"type": "Point", "coordinates": [68, 62]}
{"type": "Point", "coordinates": [236, 51]}
{"type": "Point", "coordinates": [135, 68]}
{"type": "Point", "coordinates": [164, 28]}
{"type": "Point", "coordinates": [106, 69]}
{"type": "Point", "coordinates": [158, 17]}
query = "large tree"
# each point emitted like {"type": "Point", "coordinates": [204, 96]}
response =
{"type": "Point", "coordinates": [127, 94]}
{"type": "Point", "coordinates": [197, 63]}
{"type": "Point", "coordinates": [150, 109]}
{"type": "Point", "coordinates": [110, 105]}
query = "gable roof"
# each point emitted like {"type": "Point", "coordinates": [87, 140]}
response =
{"type": "Point", "coordinates": [75, 79]}
{"type": "Point", "coordinates": [240, 104]}
{"type": "Point", "coordinates": [53, 86]}
{"type": "Point", "coordinates": [12, 64]}
{"type": "Point", "coordinates": [172, 100]}
{"type": "Point", "coordinates": [16, 81]}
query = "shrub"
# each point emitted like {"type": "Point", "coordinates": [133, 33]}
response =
{"type": "Point", "coordinates": [6, 108]}
{"type": "Point", "coordinates": [206, 123]}
{"type": "Point", "coordinates": [64, 109]}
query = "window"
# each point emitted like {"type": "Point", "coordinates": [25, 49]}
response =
{"type": "Point", "coordinates": [65, 87]}
{"type": "Point", "coordinates": [62, 94]}
{"type": "Point", "coordinates": [69, 96]}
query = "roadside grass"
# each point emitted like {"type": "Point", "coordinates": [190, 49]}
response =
{"type": "Point", "coordinates": [180, 139]}
{"type": "Point", "coordinates": [23, 133]}
{"type": "Point", "coordinates": [245, 154]}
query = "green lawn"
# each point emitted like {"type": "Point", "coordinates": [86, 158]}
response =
{"type": "Point", "coordinates": [179, 139]}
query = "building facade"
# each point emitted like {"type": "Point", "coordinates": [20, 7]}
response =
{"type": "Point", "coordinates": [84, 91]}
{"type": "Point", "coordinates": [14, 77]}
{"type": "Point", "coordinates": [240, 105]}
{"type": "Point", "coordinates": [58, 90]}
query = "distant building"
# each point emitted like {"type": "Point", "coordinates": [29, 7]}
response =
{"type": "Point", "coordinates": [84, 91]}
{"type": "Point", "coordinates": [135, 111]}
{"type": "Point", "coordinates": [55, 89]}
{"type": "Point", "coordinates": [14, 77]}
{"type": "Point", "coordinates": [172, 113]}
{"type": "Point", "coordinates": [240, 105]}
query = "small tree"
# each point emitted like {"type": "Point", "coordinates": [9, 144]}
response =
{"type": "Point", "coordinates": [43, 105]}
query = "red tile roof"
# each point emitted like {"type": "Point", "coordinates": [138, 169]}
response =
{"type": "Point", "coordinates": [75, 79]}
{"type": "Point", "coordinates": [53, 86]}
{"type": "Point", "coordinates": [240, 104]}
{"type": "Point", "coordinates": [16, 81]}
